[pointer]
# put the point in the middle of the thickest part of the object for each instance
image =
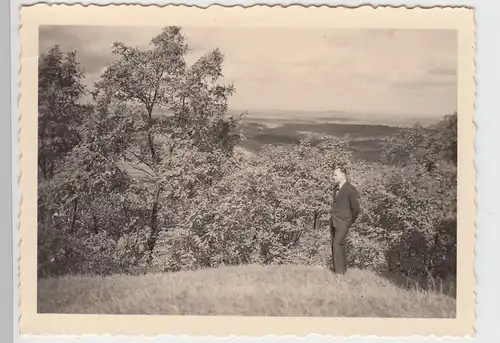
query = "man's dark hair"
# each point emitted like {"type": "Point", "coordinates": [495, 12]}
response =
{"type": "Point", "coordinates": [343, 170]}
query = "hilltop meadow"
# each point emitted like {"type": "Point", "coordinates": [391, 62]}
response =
{"type": "Point", "coordinates": [201, 212]}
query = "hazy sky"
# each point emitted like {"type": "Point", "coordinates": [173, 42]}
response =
{"type": "Point", "coordinates": [394, 72]}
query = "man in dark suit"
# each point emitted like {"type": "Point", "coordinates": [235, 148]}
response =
{"type": "Point", "coordinates": [345, 211]}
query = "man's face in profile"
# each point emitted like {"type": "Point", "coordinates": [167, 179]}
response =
{"type": "Point", "coordinates": [337, 176]}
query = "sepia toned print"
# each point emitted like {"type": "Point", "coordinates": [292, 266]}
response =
{"type": "Point", "coordinates": [241, 171]}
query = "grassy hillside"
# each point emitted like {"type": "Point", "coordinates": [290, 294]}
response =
{"type": "Point", "coordinates": [244, 290]}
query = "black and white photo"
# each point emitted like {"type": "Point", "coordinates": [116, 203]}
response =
{"type": "Point", "coordinates": [248, 170]}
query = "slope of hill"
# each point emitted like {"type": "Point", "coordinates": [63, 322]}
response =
{"type": "Point", "coordinates": [244, 290]}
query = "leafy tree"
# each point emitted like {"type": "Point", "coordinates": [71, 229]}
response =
{"type": "Point", "coordinates": [181, 149]}
{"type": "Point", "coordinates": [90, 193]}
{"type": "Point", "coordinates": [425, 145]}
{"type": "Point", "coordinates": [421, 199]}
{"type": "Point", "coordinates": [60, 115]}
{"type": "Point", "coordinates": [60, 112]}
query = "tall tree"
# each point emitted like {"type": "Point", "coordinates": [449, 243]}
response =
{"type": "Point", "coordinates": [60, 116]}
{"type": "Point", "coordinates": [180, 131]}
{"type": "Point", "coordinates": [60, 112]}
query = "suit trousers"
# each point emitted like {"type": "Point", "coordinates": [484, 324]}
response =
{"type": "Point", "coordinates": [339, 232]}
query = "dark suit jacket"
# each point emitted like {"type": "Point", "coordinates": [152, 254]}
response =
{"type": "Point", "coordinates": [345, 206]}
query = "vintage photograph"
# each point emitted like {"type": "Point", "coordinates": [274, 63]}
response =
{"type": "Point", "coordinates": [255, 171]}
{"type": "Point", "coordinates": [247, 171]}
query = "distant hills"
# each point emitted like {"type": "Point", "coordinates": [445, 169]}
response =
{"type": "Point", "coordinates": [367, 142]}
{"type": "Point", "coordinates": [277, 117]}
{"type": "Point", "coordinates": [279, 127]}
{"type": "Point", "coordinates": [332, 116]}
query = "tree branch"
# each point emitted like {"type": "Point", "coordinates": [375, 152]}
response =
{"type": "Point", "coordinates": [142, 160]}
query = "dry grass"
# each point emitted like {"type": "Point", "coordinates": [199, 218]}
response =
{"type": "Point", "coordinates": [244, 290]}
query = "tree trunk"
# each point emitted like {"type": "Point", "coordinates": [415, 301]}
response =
{"type": "Point", "coordinates": [154, 223]}
{"type": "Point", "coordinates": [95, 224]}
{"type": "Point", "coordinates": [315, 222]}
{"type": "Point", "coordinates": [73, 216]}
{"type": "Point", "coordinates": [152, 148]}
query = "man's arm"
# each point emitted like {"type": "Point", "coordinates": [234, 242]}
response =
{"type": "Point", "coordinates": [354, 200]}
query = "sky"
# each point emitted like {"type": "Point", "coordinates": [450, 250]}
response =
{"type": "Point", "coordinates": [404, 73]}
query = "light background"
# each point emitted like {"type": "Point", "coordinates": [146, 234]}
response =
{"type": "Point", "coordinates": [392, 75]}
{"type": "Point", "coordinates": [487, 163]}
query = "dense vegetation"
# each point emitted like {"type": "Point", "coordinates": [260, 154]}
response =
{"type": "Point", "coordinates": [124, 191]}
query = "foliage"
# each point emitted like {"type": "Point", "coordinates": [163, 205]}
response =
{"type": "Point", "coordinates": [424, 145]}
{"type": "Point", "coordinates": [177, 154]}
{"type": "Point", "coordinates": [149, 177]}
{"type": "Point", "coordinates": [257, 213]}
{"type": "Point", "coordinates": [428, 187]}
{"type": "Point", "coordinates": [402, 215]}
{"type": "Point", "coordinates": [59, 90]}
{"type": "Point", "coordinates": [60, 114]}
{"type": "Point", "coordinates": [181, 152]}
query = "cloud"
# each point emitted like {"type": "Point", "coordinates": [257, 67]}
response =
{"type": "Point", "coordinates": [375, 71]}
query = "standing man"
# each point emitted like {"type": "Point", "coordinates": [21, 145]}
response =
{"type": "Point", "coordinates": [345, 211]}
